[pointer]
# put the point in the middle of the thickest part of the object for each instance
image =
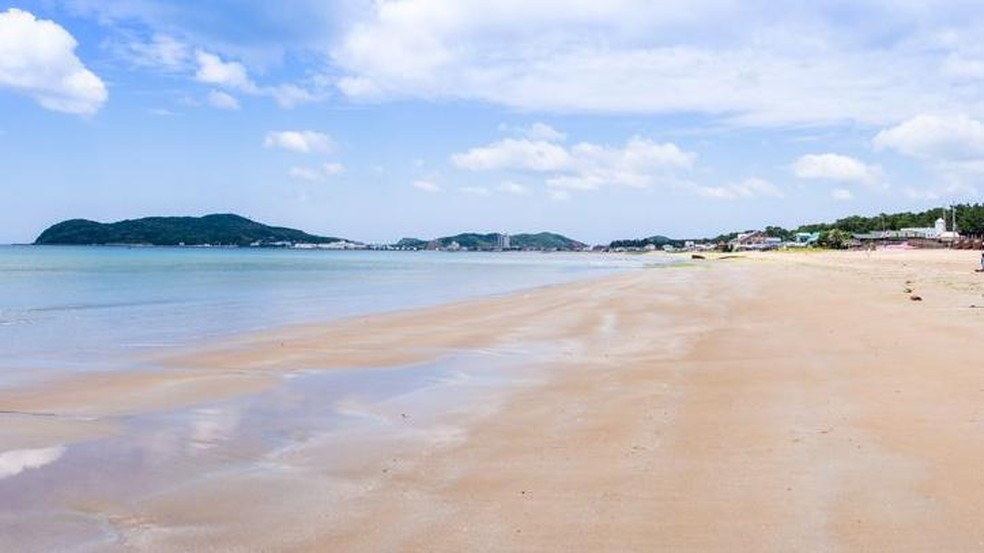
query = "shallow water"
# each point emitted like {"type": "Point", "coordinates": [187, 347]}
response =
{"type": "Point", "coordinates": [96, 308]}
{"type": "Point", "coordinates": [93, 494]}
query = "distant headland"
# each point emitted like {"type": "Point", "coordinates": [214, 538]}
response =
{"type": "Point", "coordinates": [230, 230]}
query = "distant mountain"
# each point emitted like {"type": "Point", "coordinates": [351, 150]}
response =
{"type": "Point", "coordinates": [541, 241]}
{"type": "Point", "coordinates": [216, 230]}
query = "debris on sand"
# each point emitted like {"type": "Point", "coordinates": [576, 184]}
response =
{"type": "Point", "coordinates": [915, 298]}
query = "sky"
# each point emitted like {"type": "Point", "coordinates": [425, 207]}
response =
{"type": "Point", "coordinates": [380, 119]}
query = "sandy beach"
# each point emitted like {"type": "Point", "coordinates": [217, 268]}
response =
{"type": "Point", "coordinates": [772, 402]}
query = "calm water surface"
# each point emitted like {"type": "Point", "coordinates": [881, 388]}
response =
{"type": "Point", "coordinates": [93, 308]}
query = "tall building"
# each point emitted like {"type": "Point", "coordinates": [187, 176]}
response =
{"type": "Point", "coordinates": [502, 241]}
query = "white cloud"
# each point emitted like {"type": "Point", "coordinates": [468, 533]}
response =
{"type": "Point", "coordinates": [836, 167]}
{"type": "Point", "coordinates": [222, 100]}
{"type": "Point", "coordinates": [542, 131]}
{"type": "Point", "coordinates": [584, 166]}
{"type": "Point", "coordinates": [300, 141]}
{"type": "Point", "coordinates": [510, 187]}
{"type": "Point", "coordinates": [162, 52]}
{"type": "Point", "coordinates": [212, 70]}
{"type": "Point", "coordinates": [748, 188]}
{"type": "Point", "coordinates": [746, 63]}
{"type": "Point", "coordinates": [514, 153]}
{"type": "Point", "coordinates": [426, 185]}
{"type": "Point", "coordinates": [842, 194]}
{"type": "Point", "coordinates": [930, 137]}
{"type": "Point", "coordinates": [474, 190]}
{"type": "Point", "coordinates": [37, 58]}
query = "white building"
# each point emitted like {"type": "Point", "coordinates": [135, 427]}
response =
{"type": "Point", "coordinates": [936, 232]}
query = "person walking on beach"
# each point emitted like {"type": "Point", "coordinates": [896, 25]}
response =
{"type": "Point", "coordinates": [981, 270]}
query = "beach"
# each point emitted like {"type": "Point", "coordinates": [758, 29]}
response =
{"type": "Point", "coordinates": [785, 401]}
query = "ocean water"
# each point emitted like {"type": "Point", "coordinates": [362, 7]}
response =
{"type": "Point", "coordinates": [99, 308]}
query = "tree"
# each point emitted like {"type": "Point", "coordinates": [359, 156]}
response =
{"type": "Point", "coordinates": [835, 239]}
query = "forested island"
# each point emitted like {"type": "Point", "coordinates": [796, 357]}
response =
{"type": "Point", "coordinates": [224, 229]}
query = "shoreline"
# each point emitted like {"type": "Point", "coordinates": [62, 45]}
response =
{"type": "Point", "coordinates": [770, 402]}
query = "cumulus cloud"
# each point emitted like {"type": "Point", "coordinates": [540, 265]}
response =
{"type": "Point", "coordinates": [231, 74]}
{"type": "Point", "coordinates": [747, 63]}
{"type": "Point", "coordinates": [842, 194]}
{"type": "Point", "coordinates": [584, 166]}
{"type": "Point", "coordinates": [333, 168]}
{"type": "Point", "coordinates": [930, 137]}
{"type": "Point", "coordinates": [748, 188]}
{"type": "Point", "coordinates": [222, 100]}
{"type": "Point", "coordinates": [37, 58]}
{"type": "Point", "coordinates": [300, 141]}
{"type": "Point", "coordinates": [836, 167]}
{"type": "Point", "coordinates": [426, 185]}
{"type": "Point", "coordinates": [514, 153]}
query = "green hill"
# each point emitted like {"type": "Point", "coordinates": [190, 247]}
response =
{"type": "Point", "coordinates": [545, 241]}
{"type": "Point", "coordinates": [540, 241]}
{"type": "Point", "coordinates": [216, 230]}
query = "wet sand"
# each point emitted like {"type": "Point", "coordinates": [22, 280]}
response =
{"type": "Point", "coordinates": [773, 402]}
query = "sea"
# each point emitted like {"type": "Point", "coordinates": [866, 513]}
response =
{"type": "Point", "coordinates": [100, 308]}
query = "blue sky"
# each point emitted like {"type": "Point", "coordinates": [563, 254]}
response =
{"type": "Point", "coordinates": [380, 119]}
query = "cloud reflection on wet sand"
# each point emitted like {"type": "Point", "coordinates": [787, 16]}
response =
{"type": "Point", "coordinates": [17, 461]}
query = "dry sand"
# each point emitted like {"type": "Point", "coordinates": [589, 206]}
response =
{"type": "Point", "coordinates": [774, 402]}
